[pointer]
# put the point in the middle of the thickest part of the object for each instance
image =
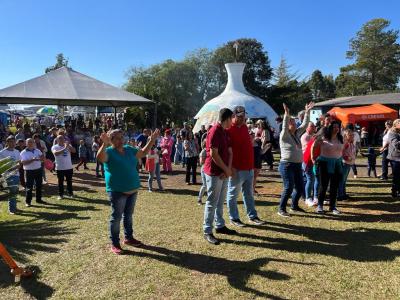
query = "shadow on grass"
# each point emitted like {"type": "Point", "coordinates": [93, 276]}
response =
{"type": "Point", "coordinates": [182, 192]}
{"type": "Point", "coordinates": [236, 272]}
{"type": "Point", "coordinates": [32, 286]}
{"type": "Point", "coordinates": [24, 238]}
{"type": "Point", "coordinates": [357, 244]}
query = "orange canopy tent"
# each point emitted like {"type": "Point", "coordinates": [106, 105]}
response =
{"type": "Point", "coordinates": [362, 114]}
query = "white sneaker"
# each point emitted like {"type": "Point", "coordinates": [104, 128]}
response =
{"type": "Point", "coordinates": [60, 197]}
{"type": "Point", "coordinates": [326, 202]}
{"type": "Point", "coordinates": [315, 201]}
{"type": "Point", "coordinates": [335, 211]}
{"type": "Point", "coordinates": [309, 202]}
{"type": "Point", "coordinates": [355, 176]}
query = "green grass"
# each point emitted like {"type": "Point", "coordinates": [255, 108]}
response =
{"type": "Point", "coordinates": [352, 256]}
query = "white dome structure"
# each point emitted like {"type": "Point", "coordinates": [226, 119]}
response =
{"type": "Point", "coordinates": [235, 94]}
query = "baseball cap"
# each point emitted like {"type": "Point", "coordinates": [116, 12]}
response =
{"type": "Point", "coordinates": [239, 111]}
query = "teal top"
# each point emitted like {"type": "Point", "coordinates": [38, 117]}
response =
{"type": "Point", "coordinates": [120, 170]}
{"type": "Point", "coordinates": [334, 164]}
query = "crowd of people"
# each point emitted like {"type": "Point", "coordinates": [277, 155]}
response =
{"type": "Point", "coordinates": [314, 158]}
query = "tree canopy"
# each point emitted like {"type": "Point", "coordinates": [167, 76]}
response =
{"type": "Point", "coordinates": [61, 61]}
{"type": "Point", "coordinates": [181, 88]}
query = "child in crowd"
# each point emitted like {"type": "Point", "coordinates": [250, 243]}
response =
{"type": "Point", "coordinates": [95, 148]}
{"type": "Point", "coordinates": [178, 150]}
{"type": "Point", "coordinates": [203, 155]}
{"type": "Point", "coordinates": [371, 155]}
{"type": "Point", "coordinates": [349, 157]}
{"type": "Point", "coordinates": [82, 152]}
{"type": "Point", "coordinates": [153, 167]}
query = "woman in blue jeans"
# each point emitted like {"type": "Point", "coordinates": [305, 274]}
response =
{"type": "Point", "coordinates": [290, 166]}
{"type": "Point", "coordinates": [394, 156]}
{"type": "Point", "coordinates": [122, 183]}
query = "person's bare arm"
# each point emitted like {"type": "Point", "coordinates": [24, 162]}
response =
{"type": "Point", "coordinates": [101, 154]}
{"type": "Point", "coordinates": [142, 153]}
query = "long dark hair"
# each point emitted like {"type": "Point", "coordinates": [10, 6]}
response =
{"type": "Point", "coordinates": [328, 131]}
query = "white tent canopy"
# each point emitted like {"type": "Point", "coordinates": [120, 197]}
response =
{"type": "Point", "coordinates": [65, 86]}
{"type": "Point", "coordinates": [235, 94]}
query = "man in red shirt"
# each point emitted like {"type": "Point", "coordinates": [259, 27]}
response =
{"type": "Point", "coordinates": [217, 169]}
{"type": "Point", "coordinates": [243, 170]}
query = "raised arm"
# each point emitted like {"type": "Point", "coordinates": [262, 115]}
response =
{"type": "Point", "coordinates": [101, 154]}
{"type": "Point", "coordinates": [142, 153]}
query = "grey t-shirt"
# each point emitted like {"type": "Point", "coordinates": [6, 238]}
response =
{"type": "Point", "coordinates": [290, 144]}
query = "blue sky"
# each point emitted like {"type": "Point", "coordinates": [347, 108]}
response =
{"type": "Point", "coordinates": [104, 38]}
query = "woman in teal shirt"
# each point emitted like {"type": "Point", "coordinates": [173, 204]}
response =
{"type": "Point", "coordinates": [122, 183]}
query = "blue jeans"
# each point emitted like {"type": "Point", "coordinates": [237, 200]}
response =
{"type": "Point", "coordinates": [311, 188]}
{"type": "Point", "coordinates": [243, 181]}
{"type": "Point", "coordinates": [13, 187]}
{"type": "Point", "coordinates": [122, 207]}
{"type": "Point", "coordinates": [155, 172]}
{"type": "Point", "coordinates": [216, 194]}
{"type": "Point", "coordinates": [203, 188]}
{"type": "Point", "coordinates": [342, 184]}
{"type": "Point", "coordinates": [293, 184]}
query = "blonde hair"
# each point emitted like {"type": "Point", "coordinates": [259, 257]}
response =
{"type": "Point", "coordinates": [395, 123]}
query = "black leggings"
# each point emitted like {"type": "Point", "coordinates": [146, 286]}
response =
{"type": "Point", "coordinates": [324, 179]}
{"type": "Point", "coordinates": [191, 165]}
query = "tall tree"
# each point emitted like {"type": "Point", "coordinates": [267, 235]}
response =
{"type": "Point", "coordinates": [283, 75]}
{"type": "Point", "coordinates": [377, 54]}
{"type": "Point", "coordinates": [258, 72]}
{"type": "Point", "coordinates": [322, 87]}
{"type": "Point", "coordinates": [61, 61]}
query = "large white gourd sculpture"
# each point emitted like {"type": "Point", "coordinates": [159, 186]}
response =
{"type": "Point", "coordinates": [234, 94]}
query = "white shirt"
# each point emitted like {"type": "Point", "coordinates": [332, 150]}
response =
{"type": "Point", "coordinates": [385, 139]}
{"type": "Point", "coordinates": [14, 154]}
{"type": "Point", "coordinates": [63, 161]}
{"type": "Point", "coordinates": [357, 138]}
{"type": "Point", "coordinates": [27, 155]}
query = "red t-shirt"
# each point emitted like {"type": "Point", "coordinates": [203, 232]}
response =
{"type": "Point", "coordinates": [242, 147]}
{"type": "Point", "coordinates": [218, 138]}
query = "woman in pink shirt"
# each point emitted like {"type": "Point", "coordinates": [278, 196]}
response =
{"type": "Point", "coordinates": [329, 165]}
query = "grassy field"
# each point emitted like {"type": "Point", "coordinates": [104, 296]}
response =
{"type": "Point", "coordinates": [307, 256]}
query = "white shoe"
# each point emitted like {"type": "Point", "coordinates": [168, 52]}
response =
{"type": "Point", "coordinates": [60, 197]}
{"type": "Point", "coordinates": [315, 201]}
{"type": "Point", "coordinates": [309, 202]}
{"type": "Point", "coordinates": [355, 176]}
{"type": "Point", "coordinates": [326, 202]}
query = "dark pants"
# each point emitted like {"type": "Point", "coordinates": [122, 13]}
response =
{"type": "Point", "coordinates": [68, 176]}
{"type": "Point", "coordinates": [325, 178]}
{"type": "Point", "coordinates": [293, 183]}
{"type": "Point", "coordinates": [82, 161]}
{"type": "Point", "coordinates": [354, 168]}
{"type": "Point", "coordinates": [371, 168]}
{"type": "Point", "coordinates": [100, 166]}
{"type": "Point", "coordinates": [191, 166]}
{"type": "Point", "coordinates": [34, 177]}
{"type": "Point", "coordinates": [269, 158]}
{"type": "Point", "coordinates": [22, 176]}
{"type": "Point", "coordinates": [396, 177]}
